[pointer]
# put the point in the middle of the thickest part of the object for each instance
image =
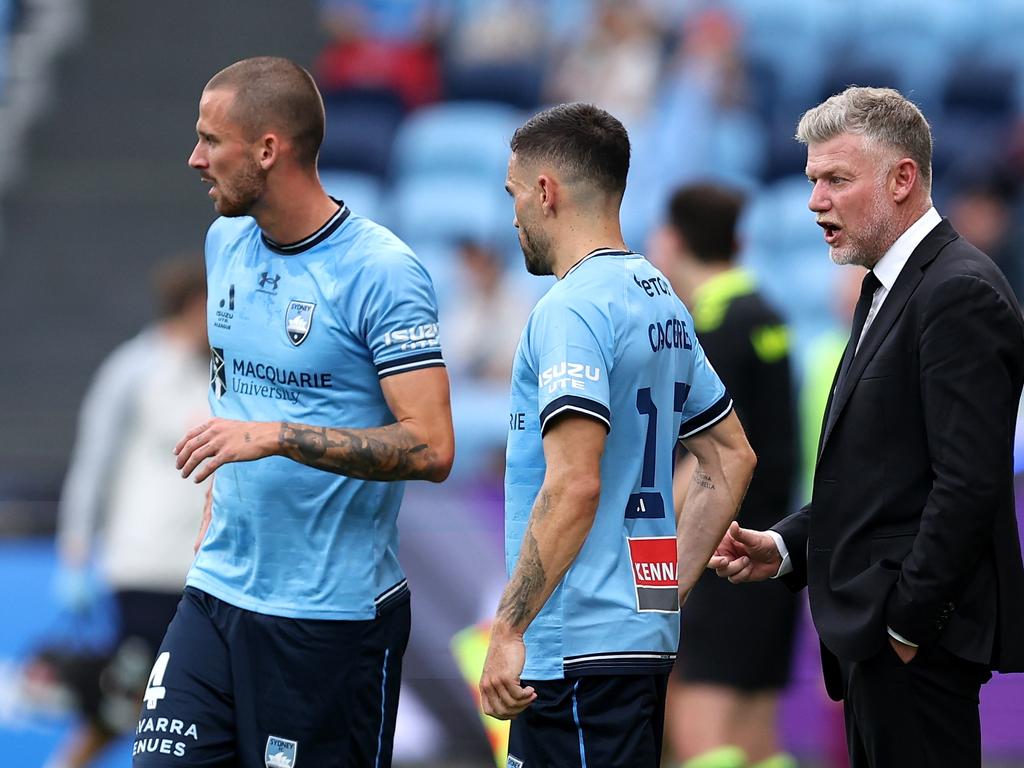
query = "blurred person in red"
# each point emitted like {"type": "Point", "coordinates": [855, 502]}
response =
{"type": "Point", "coordinates": [387, 45]}
{"type": "Point", "coordinates": [124, 506]}
{"type": "Point", "coordinates": [724, 698]}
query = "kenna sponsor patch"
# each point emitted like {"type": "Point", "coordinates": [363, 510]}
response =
{"type": "Point", "coordinates": [655, 576]}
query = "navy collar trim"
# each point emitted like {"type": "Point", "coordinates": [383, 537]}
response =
{"type": "Point", "coordinates": [592, 254]}
{"type": "Point", "coordinates": [328, 229]}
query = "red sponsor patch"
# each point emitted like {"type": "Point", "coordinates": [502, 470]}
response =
{"type": "Point", "coordinates": [654, 561]}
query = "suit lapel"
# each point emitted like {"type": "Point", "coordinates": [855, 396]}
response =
{"type": "Point", "coordinates": [891, 309]}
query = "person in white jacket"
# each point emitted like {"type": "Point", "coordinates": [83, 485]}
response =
{"type": "Point", "coordinates": [123, 505]}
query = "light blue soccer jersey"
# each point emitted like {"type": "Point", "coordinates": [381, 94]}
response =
{"type": "Point", "coordinates": [610, 341]}
{"type": "Point", "coordinates": [304, 333]}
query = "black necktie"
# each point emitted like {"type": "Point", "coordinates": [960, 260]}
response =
{"type": "Point", "coordinates": [860, 314]}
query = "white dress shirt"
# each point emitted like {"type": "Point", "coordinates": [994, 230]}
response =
{"type": "Point", "coordinates": [887, 270]}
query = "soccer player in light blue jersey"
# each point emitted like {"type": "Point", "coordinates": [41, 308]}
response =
{"type": "Point", "coordinates": [607, 378]}
{"type": "Point", "coordinates": [327, 389]}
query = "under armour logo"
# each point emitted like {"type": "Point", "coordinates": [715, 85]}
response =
{"type": "Point", "coordinates": [266, 278]}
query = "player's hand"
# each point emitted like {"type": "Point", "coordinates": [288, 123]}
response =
{"type": "Point", "coordinates": [745, 555]}
{"type": "Point", "coordinates": [222, 441]}
{"type": "Point", "coordinates": [501, 694]}
{"type": "Point", "coordinates": [205, 522]}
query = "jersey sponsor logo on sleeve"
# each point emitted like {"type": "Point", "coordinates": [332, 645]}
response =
{"type": "Point", "coordinates": [280, 753]}
{"type": "Point", "coordinates": [422, 336]}
{"type": "Point", "coordinates": [566, 375]}
{"type": "Point", "coordinates": [655, 577]}
{"type": "Point", "coordinates": [298, 320]}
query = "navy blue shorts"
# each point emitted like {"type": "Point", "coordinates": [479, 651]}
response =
{"type": "Point", "coordinates": [599, 721]}
{"type": "Point", "coordinates": [235, 688]}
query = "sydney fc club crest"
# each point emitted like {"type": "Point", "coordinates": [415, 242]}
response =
{"type": "Point", "coordinates": [280, 753]}
{"type": "Point", "coordinates": [298, 319]}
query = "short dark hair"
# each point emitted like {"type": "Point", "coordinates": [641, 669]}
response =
{"type": "Point", "coordinates": [585, 141]}
{"type": "Point", "coordinates": [272, 92]}
{"type": "Point", "coordinates": [705, 216]}
{"type": "Point", "coordinates": [177, 283]}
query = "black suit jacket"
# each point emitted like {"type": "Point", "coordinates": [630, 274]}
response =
{"type": "Point", "coordinates": [911, 523]}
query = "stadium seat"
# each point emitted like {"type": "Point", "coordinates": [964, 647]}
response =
{"type": "Point", "coordinates": [361, 126]}
{"type": "Point", "coordinates": [857, 71]}
{"type": "Point", "coordinates": [795, 222]}
{"type": "Point", "coordinates": [449, 207]}
{"type": "Point", "coordinates": [978, 107]}
{"type": "Point", "coordinates": [467, 137]}
{"type": "Point", "coordinates": [363, 193]}
{"type": "Point", "coordinates": [516, 83]}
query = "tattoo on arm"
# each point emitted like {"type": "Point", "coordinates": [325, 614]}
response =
{"type": "Point", "coordinates": [247, 437]}
{"type": "Point", "coordinates": [382, 453]}
{"type": "Point", "coordinates": [519, 603]}
{"type": "Point", "coordinates": [517, 606]}
{"type": "Point", "coordinates": [703, 479]}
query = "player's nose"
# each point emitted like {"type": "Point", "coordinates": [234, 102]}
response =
{"type": "Point", "coordinates": [196, 159]}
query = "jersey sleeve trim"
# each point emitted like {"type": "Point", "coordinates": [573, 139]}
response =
{"type": "Point", "coordinates": [410, 363]}
{"type": "Point", "coordinates": [711, 416]}
{"type": "Point", "coordinates": [576, 404]}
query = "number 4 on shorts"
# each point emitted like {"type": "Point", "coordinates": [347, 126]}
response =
{"type": "Point", "coordinates": [155, 687]}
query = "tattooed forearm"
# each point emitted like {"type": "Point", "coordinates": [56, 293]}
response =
{"type": "Point", "coordinates": [520, 603]}
{"type": "Point", "coordinates": [703, 479]}
{"type": "Point", "coordinates": [383, 453]}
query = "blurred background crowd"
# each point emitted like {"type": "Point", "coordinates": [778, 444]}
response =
{"type": "Point", "coordinates": [97, 107]}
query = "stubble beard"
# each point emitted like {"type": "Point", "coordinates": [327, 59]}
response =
{"type": "Point", "coordinates": [865, 249]}
{"type": "Point", "coordinates": [536, 252]}
{"type": "Point", "coordinates": [244, 191]}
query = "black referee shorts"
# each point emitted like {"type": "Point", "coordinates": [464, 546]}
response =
{"type": "Point", "coordinates": [606, 721]}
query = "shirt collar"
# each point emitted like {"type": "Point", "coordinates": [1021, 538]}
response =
{"type": "Point", "coordinates": [892, 262]}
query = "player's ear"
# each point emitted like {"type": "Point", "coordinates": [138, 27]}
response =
{"type": "Point", "coordinates": [548, 193]}
{"type": "Point", "coordinates": [269, 147]}
{"type": "Point", "coordinates": [904, 174]}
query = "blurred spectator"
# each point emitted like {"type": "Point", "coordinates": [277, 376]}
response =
{"type": "Point", "coordinates": [616, 64]}
{"type": "Point", "coordinates": [125, 504]}
{"type": "Point", "coordinates": [984, 212]}
{"type": "Point", "coordinates": [382, 45]}
{"type": "Point", "coordinates": [497, 30]}
{"type": "Point", "coordinates": [724, 693]}
{"type": "Point", "coordinates": [700, 128]}
{"type": "Point", "coordinates": [483, 326]}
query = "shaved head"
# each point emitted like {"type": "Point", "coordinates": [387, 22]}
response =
{"type": "Point", "coordinates": [275, 94]}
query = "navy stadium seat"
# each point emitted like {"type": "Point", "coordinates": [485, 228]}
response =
{"type": "Point", "coordinates": [361, 126]}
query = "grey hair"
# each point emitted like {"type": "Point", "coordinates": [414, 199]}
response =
{"type": "Point", "coordinates": [882, 115]}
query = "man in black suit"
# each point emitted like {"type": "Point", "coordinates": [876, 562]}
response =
{"type": "Point", "coordinates": [909, 547]}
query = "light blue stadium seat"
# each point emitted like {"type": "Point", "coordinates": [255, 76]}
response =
{"type": "Point", "coordinates": [461, 137]}
{"type": "Point", "coordinates": [795, 222]}
{"type": "Point", "coordinates": [450, 207]}
{"type": "Point", "coordinates": [362, 192]}
{"type": "Point", "coordinates": [757, 230]}
{"type": "Point", "coordinates": [738, 147]}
